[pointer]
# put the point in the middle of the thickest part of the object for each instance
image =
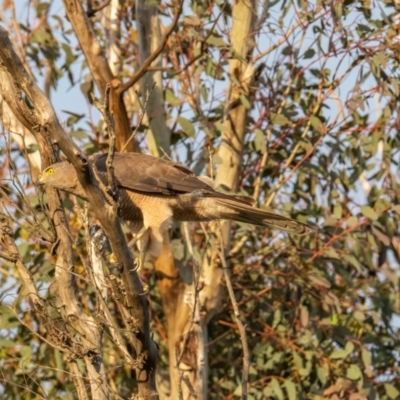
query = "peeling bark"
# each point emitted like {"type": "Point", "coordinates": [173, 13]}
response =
{"type": "Point", "coordinates": [148, 23]}
{"type": "Point", "coordinates": [100, 69]}
{"type": "Point", "coordinates": [42, 122]}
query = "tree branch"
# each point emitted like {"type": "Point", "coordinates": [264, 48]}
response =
{"type": "Point", "coordinates": [239, 323]}
{"type": "Point", "coordinates": [146, 64]}
{"type": "Point", "coordinates": [100, 69]}
{"type": "Point", "coordinates": [47, 130]}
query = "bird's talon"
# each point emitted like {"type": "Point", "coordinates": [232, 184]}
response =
{"type": "Point", "coordinates": [137, 264]}
{"type": "Point", "coordinates": [112, 259]}
{"type": "Point", "coordinates": [134, 269]}
{"type": "Point", "coordinates": [145, 288]}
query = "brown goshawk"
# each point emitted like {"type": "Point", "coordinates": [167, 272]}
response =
{"type": "Point", "coordinates": [154, 192]}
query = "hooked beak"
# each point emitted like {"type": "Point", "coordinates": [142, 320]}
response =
{"type": "Point", "coordinates": [39, 182]}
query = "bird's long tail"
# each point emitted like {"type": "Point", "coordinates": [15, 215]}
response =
{"type": "Point", "coordinates": [238, 211]}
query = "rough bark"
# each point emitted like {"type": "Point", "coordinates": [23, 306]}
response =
{"type": "Point", "coordinates": [42, 122]}
{"type": "Point", "coordinates": [231, 148]}
{"type": "Point", "coordinates": [171, 286]}
{"type": "Point", "coordinates": [182, 334]}
{"type": "Point", "coordinates": [100, 69]}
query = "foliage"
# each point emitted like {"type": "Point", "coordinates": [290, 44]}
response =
{"type": "Point", "coordinates": [321, 312]}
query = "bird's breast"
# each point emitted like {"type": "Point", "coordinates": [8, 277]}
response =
{"type": "Point", "coordinates": [129, 210]}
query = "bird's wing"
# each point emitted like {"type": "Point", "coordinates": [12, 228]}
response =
{"type": "Point", "coordinates": [142, 173]}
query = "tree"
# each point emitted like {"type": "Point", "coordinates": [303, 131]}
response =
{"type": "Point", "coordinates": [294, 104]}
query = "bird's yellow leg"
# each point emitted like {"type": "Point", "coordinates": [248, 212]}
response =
{"type": "Point", "coordinates": [138, 262]}
{"type": "Point", "coordinates": [137, 237]}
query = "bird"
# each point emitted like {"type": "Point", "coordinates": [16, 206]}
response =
{"type": "Point", "coordinates": [155, 192]}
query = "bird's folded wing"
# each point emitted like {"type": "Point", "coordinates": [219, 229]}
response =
{"type": "Point", "coordinates": [142, 173]}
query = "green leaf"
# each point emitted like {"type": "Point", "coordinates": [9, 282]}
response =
{"type": "Point", "coordinates": [367, 361]}
{"type": "Point", "coordinates": [42, 8]}
{"type": "Point", "coordinates": [369, 212]}
{"type": "Point", "coordinates": [25, 352]}
{"type": "Point", "coordinates": [395, 86]}
{"type": "Point", "coordinates": [70, 57]}
{"type": "Point", "coordinates": [330, 252]}
{"type": "Point", "coordinates": [321, 375]}
{"type": "Point", "coordinates": [310, 53]}
{"type": "Point", "coordinates": [7, 343]}
{"type": "Point", "coordinates": [353, 372]}
{"type": "Point", "coordinates": [214, 70]}
{"type": "Point", "coordinates": [304, 316]}
{"type": "Point", "coordinates": [238, 391]}
{"type": "Point", "coordinates": [276, 387]}
{"type": "Point", "coordinates": [171, 99]}
{"type": "Point", "coordinates": [187, 126]}
{"type": "Point", "coordinates": [279, 119]}
{"type": "Point", "coordinates": [319, 281]}
{"type": "Point", "coordinates": [316, 123]}
{"type": "Point", "coordinates": [204, 93]}
{"type": "Point", "coordinates": [298, 360]}
{"type": "Point", "coordinates": [79, 134]}
{"type": "Point", "coordinates": [267, 392]}
{"type": "Point", "coordinates": [338, 354]}
{"type": "Point", "coordinates": [40, 36]}
{"type": "Point", "coordinates": [260, 349]}
{"type": "Point", "coordinates": [349, 347]}
{"type": "Point", "coordinates": [32, 148]}
{"type": "Point", "coordinates": [359, 316]}
{"type": "Point", "coordinates": [245, 101]}
{"type": "Point", "coordinates": [391, 391]}
{"type": "Point", "coordinates": [260, 141]}
{"type": "Point", "coordinates": [338, 211]}
{"type": "Point", "coordinates": [381, 236]}
{"type": "Point", "coordinates": [7, 318]}
{"type": "Point", "coordinates": [291, 389]}
{"type": "Point", "coordinates": [352, 221]}
{"type": "Point", "coordinates": [217, 41]}
{"type": "Point", "coordinates": [277, 318]}
{"type": "Point", "coordinates": [366, 357]}
{"type": "Point", "coordinates": [353, 261]}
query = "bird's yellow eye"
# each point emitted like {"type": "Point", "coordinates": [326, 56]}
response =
{"type": "Point", "coordinates": [50, 171]}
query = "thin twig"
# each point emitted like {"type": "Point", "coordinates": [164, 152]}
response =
{"type": "Point", "coordinates": [210, 159]}
{"type": "Point", "coordinates": [196, 314]}
{"type": "Point", "coordinates": [285, 37]}
{"type": "Point", "coordinates": [104, 109]}
{"type": "Point", "coordinates": [99, 286]}
{"type": "Point", "coordinates": [282, 178]}
{"type": "Point", "coordinates": [141, 116]}
{"type": "Point", "coordinates": [239, 323]}
{"type": "Point", "coordinates": [146, 64]}
{"type": "Point", "coordinates": [78, 380]}
{"type": "Point", "coordinates": [193, 302]}
{"type": "Point", "coordinates": [257, 185]}
{"type": "Point", "coordinates": [109, 120]}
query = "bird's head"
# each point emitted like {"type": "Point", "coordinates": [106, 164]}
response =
{"type": "Point", "coordinates": [61, 176]}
